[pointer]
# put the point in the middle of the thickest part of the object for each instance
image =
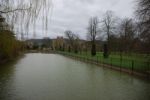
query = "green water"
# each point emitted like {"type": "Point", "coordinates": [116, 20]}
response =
{"type": "Point", "coordinates": [54, 77]}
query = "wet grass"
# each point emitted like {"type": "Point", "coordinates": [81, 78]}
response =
{"type": "Point", "coordinates": [135, 62]}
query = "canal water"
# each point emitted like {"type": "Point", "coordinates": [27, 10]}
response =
{"type": "Point", "coordinates": [54, 77]}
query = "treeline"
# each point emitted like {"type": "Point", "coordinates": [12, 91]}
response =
{"type": "Point", "coordinates": [10, 47]}
{"type": "Point", "coordinates": [125, 35]}
{"type": "Point", "coordinates": [22, 14]}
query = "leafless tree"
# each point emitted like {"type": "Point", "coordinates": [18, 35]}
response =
{"type": "Point", "coordinates": [143, 13]}
{"type": "Point", "coordinates": [73, 40]}
{"type": "Point", "coordinates": [127, 34]}
{"type": "Point", "coordinates": [93, 33]}
{"type": "Point", "coordinates": [108, 25]}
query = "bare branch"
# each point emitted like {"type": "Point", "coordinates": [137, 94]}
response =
{"type": "Point", "coordinates": [14, 10]}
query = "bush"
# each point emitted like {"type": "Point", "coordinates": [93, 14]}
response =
{"type": "Point", "coordinates": [9, 46]}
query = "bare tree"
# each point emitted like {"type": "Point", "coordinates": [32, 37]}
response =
{"type": "Point", "coordinates": [93, 33]}
{"type": "Point", "coordinates": [143, 13]}
{"type": "Point", "coordinates": [108, 25]}
{"type": "Point", "coordinates": [70, 36]}
{"type": "Point", "coordinates": [73, 40]}
{"type": "Point", "coordinates": [127, 34]}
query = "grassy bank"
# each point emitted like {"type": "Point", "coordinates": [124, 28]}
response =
{"type": "Point", "coordinates": [132, 62]}
{"type": "Point", "coordinates": [10, 47]}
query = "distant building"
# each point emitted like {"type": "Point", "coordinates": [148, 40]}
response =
{"type": "Point", "coordinates": [61, 43]}
{"type": "Point", "coordinates": [58, 43]}
{"type": "Point", "coordinates": [39, 43]}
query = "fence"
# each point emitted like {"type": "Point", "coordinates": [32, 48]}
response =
{"type": "Point", "coordinates": [126, 65]}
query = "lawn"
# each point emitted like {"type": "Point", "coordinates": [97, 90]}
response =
{"type": "Point", "coordinates": [135, 62]}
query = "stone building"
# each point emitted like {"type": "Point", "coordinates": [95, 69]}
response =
{"type": "Point", "coordinates": [58, 43]}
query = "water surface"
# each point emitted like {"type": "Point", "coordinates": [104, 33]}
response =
{"type": "Point", "coordinates": [54, 77]}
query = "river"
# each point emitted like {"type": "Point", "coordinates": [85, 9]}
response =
{"type": "Point", "coordinates": [39, 76]}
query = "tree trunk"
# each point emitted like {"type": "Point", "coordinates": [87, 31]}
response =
{"type": "Point", "coordinates": [93, 50]}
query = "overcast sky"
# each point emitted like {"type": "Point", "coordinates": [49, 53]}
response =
{"type": "Point", "coordinates": [74, 15]}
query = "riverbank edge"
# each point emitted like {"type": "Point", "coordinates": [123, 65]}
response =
{"type": "Point", "coordinates": [120, 69]}
{"type": "Point", "coordinates": [5, 61]}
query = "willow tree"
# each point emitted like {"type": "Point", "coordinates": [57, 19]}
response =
{"type": "Point", "coordinates": [24, 13]}
{"type": "Point", "coordinates": [19, 15]}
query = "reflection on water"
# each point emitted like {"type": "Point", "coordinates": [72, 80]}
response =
{"type": "Point", "coordinates": [54, 77]}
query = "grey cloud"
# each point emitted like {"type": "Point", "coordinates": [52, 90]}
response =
{"type": "Point", "coordinates": [75, 14]}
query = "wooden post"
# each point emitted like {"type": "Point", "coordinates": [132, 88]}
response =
{"type": "Point", "coordinates": [148, 69]}
{"type": "Point", "coordinates": [111, 61]}
{"type": "Point", "coordinates": [120, 63]}
{"type": "Point", "coordinates": [132, 66]}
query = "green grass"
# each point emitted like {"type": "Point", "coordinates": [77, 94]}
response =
{"type": "Point", "coordinates": [133, 61]}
